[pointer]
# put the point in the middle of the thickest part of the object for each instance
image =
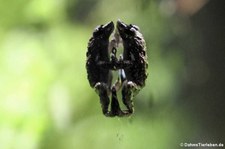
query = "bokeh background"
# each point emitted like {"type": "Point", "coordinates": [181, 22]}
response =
{"type": "Point", "coordinates": [46, 101]}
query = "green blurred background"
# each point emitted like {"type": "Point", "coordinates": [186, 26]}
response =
{"type": "Point", "coordinates": [46, 101]}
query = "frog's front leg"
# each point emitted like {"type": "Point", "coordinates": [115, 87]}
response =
{"type": "Point", "coordinates": [103, 91]}
{"type": "Point", "coordinates": [128, 91]}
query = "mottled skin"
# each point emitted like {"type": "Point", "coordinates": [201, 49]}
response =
{"type": "Point", "coordinates": [135, 54]}
{"type": "Point", "coordinates": [99, 75]}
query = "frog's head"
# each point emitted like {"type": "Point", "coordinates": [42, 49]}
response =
{"type": "Point", "coordinates": [127, 31]}
{"type": "Point", "coordinates": [103, 31]}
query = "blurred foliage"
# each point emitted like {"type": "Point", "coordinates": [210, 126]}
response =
{"type": "Point", "coordinates": [46, 101]}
